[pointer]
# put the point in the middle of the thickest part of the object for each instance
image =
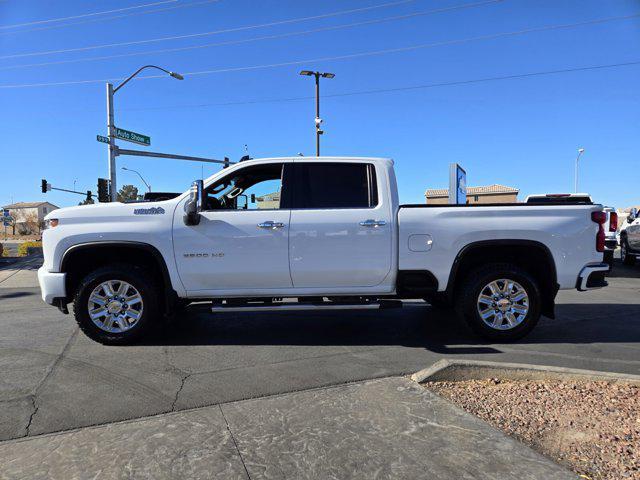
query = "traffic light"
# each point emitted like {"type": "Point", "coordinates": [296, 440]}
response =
{"type": "Point", "coordinates": [226, 162]}
{"type": "Point", "coordinates": [45, 186]}
{"type": "Point", "coordinates": [103, 190]}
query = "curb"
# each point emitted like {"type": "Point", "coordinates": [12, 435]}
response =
{"type": "Point", "coordinates": [456, 370]}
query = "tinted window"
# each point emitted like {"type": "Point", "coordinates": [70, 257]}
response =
{"type": "Point", "coordinates": [334, 185]}
{"type": "Point", "coordinates": [568, 199]}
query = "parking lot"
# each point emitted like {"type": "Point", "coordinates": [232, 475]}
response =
{"type": "Point", "coordinates": [54, 378]}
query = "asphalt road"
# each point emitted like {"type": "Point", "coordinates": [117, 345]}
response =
{"type": "Point", "coordinates": [54, 378]}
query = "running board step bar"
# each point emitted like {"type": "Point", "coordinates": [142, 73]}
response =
{"type": "Point", "coordinates": [293, 306]}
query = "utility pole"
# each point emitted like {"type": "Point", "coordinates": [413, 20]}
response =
{"type": "Point", "coordinates": [318, 120]}
{"type": "Point", "coordinates": [580, 152]}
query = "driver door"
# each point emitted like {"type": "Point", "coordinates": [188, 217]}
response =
{"type": "Point", "coordinates": [241, 244]}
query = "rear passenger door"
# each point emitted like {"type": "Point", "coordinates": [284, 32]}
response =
{"type": "Point", "coordinates": [340, 232]}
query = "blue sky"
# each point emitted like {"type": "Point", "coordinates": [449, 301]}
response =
{"type": "Point", "coordinates": [521, 132]}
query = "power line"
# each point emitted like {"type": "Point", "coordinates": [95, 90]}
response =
{"type": "Point", "coordinates": [52, 20]}
{"type": "Point", "coordinates": [115, 17]}
{"type": "Point", "coordinates": [398, 89]}
{"type": "Point", "coordinates": [333, 58]}
{"type": "Point", "coordinates": [256, 39]}
{"type": "Point", "coordinates": [215, 32]}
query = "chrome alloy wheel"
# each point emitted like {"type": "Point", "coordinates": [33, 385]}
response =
{"type": "Point", "coordinates": [115, 306]}
{"type": "Point", "coordinates": [503, 304]}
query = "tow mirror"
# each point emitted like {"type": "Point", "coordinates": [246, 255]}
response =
{"type": "Point", "coordinates": [193, 207]}
{"type": "Point", "coordinates": [633, 214]}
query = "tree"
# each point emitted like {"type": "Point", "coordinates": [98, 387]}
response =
{"type": "Point", "coordinates": [128, 193]}
{"type": "Point", "coordinates": [30, 224]}
{"type": "Point", "coordinates": [87, 201]}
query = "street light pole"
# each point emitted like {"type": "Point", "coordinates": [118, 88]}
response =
{"type": "Point", "coordinates": [318, 120]}
{"type": "Point", "coordinates": [580, 152]}
{"type": "Point", "coordinates": [138, 173]}
{"type": "Point", "coordinates": [111, 128]}
{"type": "Point", "coordinates": [111, 133]}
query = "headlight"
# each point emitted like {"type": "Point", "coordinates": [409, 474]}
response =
{"type": "Point", "coordinates": [50, 223]}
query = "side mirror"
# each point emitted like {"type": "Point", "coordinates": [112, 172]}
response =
{"type": "Point", "coordinates": [633, 214]}
{"type": "Point", "coordinates": [193, 207]}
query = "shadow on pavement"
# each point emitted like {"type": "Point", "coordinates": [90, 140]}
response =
{"type": "Point", "coordinates": [18, 294]}
{"type": "Point", "coordinates": [620, 270]}
{"type": "Point", "coordinates": [417, 325]}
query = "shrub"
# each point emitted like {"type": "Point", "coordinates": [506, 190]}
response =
{"type": "Point", "coordinates": [23, 248]}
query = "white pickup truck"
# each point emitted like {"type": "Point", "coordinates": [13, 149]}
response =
{"type": "Point", "coordinates": [314, 233]}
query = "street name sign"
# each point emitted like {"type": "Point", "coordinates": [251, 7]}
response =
{"type": "Point", "coordinates": [133, 137]}
{"type": "Point", "coordinates": [102, 138]}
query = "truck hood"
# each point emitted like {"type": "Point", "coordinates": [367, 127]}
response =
{"type": "Point", "coordinates": [115, 209]}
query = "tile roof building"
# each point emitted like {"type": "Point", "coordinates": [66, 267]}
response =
{"type": "Point", "coordinates": [29, 216]}
{"type": "Point", "coordinates": [487, 194]}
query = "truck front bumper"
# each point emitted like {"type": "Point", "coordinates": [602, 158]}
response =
{"type": "Point", "coordinates": [52, 285]}
{"type": "Point", "coordinates": [592, 276]}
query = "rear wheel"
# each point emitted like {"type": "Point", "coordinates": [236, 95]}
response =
{"type": "Point", "coordinates": [500, 302]}
{"type": "Point", "coordinates": [116, 305]}
{"type": "Point", "coordinates": [624, 252]}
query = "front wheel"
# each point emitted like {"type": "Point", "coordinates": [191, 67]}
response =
{"type": "Point", "coordinates": [500, 302]}
{"type": "Point", "coordinates": [116, 305]}
{"type": "Point", "coordinates": [624, 253]}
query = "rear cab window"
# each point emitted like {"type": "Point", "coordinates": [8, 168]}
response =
{"type": "Point", "coordinates": [334, 185]}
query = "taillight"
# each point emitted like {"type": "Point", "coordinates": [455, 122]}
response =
{"type": "Point", "coordinates": [613, 222]}
{"type": "Point", "coordinates": [600, 218]}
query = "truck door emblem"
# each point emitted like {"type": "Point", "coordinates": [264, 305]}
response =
{"type": "Point", "coordinates": [149, 211]}
{"type": "Point", "coordinates": [203, 255]}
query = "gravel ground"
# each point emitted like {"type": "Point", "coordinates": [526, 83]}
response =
{"type": "Point", "coordinates": [591, 427]}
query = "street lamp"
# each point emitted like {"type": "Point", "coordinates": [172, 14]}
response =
{"type": "Point", "coordinates": [141, 178]}
{"type": "Point", "coordinates": [580, 152]}
{"type": "Point", "coordinates": [318, 120]}
{"type": "Point", "coordinates": [112, 129]}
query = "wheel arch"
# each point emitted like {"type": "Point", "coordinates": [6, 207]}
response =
{"type": "Point", "coordinates": [79, 260]}
{"type": "Point", "coordinates": [531, 255]}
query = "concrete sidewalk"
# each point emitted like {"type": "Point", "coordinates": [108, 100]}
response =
{"type": "Point", "coordinates": [385, 428]}
{"type": "Point", "coordinates": [20, 273]}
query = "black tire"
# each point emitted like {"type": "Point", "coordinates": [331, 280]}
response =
{"type": "Point", "coordinates": [627, 259]}
{"type": "Point", "coordinates": [472, 287]}
{"type": "Point", "coordinates": [137, 277]}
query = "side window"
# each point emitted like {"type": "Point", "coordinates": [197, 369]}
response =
{"type": "Point", "coordinates": [334, 185]}
{"type": "Point", "coordinates": [252, 188]}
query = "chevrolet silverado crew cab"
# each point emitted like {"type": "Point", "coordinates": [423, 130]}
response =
{"type": "Point", "coordinates": [314, 233]}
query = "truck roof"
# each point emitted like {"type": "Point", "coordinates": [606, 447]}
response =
{"type": "Point", "coordinates": [322, 159]}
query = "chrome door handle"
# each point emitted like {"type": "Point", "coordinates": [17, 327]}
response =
{"type": "Point", "coordinates": [271, 225]}
{"type": "Point", "coordinates": [373, 223]}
